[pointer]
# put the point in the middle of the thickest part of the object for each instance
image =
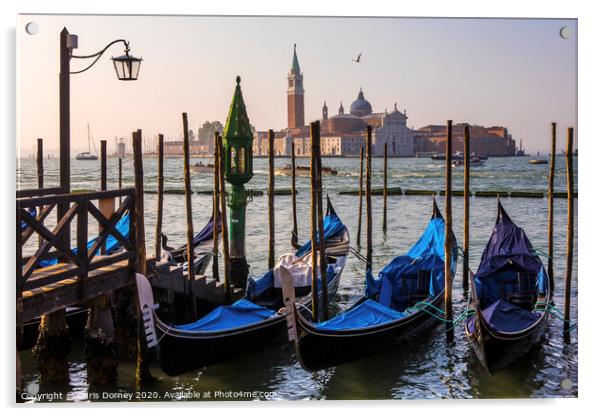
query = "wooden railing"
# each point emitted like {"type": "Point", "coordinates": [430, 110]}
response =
{"type": "Point", "coordinates": [73, 261]}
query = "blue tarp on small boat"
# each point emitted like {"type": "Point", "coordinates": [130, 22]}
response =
{"type": "Point", "coordinates": [506, 317]}
{"type": "Point", "coordinates": [332, 226]}
{"type": "Point", "coordinates": [240, 313]}
{"type": "Point", "coordinates": [368, 313]}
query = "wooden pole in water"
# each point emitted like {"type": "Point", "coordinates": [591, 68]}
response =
{"type": "Point", "coordinates": [271, 254]}
{"type": "Point", "coordinates": [40, 166]}
{"type": "Point", "coordinates": [320, 219]}
{"type": "Point", "coordinates": [120, 176]}
{"type": "Point", "coordinates": [216, 210]}
{"type": "Point", "coordinates": [448, 229]}
{"type": "Point", "coordinates": [551, 209]}
{"type": "Point", "coordinates": [385, 190]}
{"type": "Point", "coordinates": [142, 362]}
{"type": "Point", "coordinates": [103, 165]}
{"type": "Point", "coordinates": [225, 243]}
{"type": "Point", "coordinates": [369, 197]}
{"type": "Point", "coordinates": [466, 248]}
{"type": "Point", "coordinates": [569, 230]}
{"type": "Point", "coordinates": [359, 217]}
{"type": "Point", "coordinates": [189, 224]}
{"type": "Point", "coordinates": [40, 163]}
{"type": "Point", "coordinates": [160, 185]}
{"type": "Point", "coordinates": [295, 236]}
{"type": "Point", "coordinates": [315, 308]}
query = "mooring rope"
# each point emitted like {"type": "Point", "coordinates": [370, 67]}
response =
{"type": "Point", "coordinates": [540, 252]}
{"type": "Point", "coordinates": [556, 313]}
{"type": "Point", "coordinates": [423, 306]}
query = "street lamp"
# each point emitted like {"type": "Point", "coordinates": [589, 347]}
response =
{"type": "Point", "coordinates": [126, 67]}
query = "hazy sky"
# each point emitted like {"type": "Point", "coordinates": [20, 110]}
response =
{"type": "Point", "coordinates": [517, 73]}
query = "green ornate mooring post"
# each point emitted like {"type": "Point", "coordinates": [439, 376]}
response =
{"type": "Point", "coordinates": [238, 157]}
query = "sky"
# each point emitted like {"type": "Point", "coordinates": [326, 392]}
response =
{"type": "Point", "coordinates": [518, 73]}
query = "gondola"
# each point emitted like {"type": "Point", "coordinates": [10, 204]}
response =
{"type": "Point", "coordinates": [389, 313]}
{"type": "Point", "coordinates": [509, 294]}
{"type": "Point", "coordinates": [250, 323]}
{"type": "Point", "coordinates": [203, 249]}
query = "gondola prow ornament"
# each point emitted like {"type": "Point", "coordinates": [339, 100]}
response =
{"type": "Point", "coordinates": [238, 168]}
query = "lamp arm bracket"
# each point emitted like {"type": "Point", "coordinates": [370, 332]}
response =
{"type": "Point", "coordinates": [98, 54]}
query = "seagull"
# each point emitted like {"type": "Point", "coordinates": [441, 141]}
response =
{"type": "Point", "coordinates": [357, 59]}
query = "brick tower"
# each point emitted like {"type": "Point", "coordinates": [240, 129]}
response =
{"type": "Point", "coordinates": [296, 108]}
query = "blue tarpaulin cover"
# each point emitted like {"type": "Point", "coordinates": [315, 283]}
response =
{"type": "Point", "coordinates": [393, 285]}
{"type": "Point", "coordinates": [332, 226]}
{"type": "Point", "coordinates": [507, 253]}
{"type": "Point", "coordinates": [368, 313]}
{"type": "Point", "coordinates": [506, 317]}
{"type": "Point", "coordinates": [240, 313]}
{"type": "Point", "coordinates": [258, 285]}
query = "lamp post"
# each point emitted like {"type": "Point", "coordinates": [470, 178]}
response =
{"type": "Point", "coordinates": [238, 155]}
{"type": "Point", "coordinates": [126, 68]}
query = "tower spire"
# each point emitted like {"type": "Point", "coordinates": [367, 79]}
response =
{"type": "Point", "coordinates": [295, 68]}
{"type": "Point", "coordinates": [295, 92]}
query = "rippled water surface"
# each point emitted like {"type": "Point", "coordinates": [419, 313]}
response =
{"type": "Point", "coordinates": [429, 367]}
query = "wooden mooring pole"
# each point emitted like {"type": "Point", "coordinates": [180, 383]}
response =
{"type": "Point", "coordinates": [385, 190]}
{"type": "Point", "coordinates": [358, 240]}
{"type": "Point", "coordinates": [225, 241]}
{"type": "Point", "coordinates": [271, 255]}
{"type": "Point", "coordinates": [189, 222]}
{"type": "Point", "coordinates": [143, 373]}
{"type": "Point", "coordinates": [551, 209]}
{"type": "Point", "coordinates": [448, 230]}
{"type": "Point", "coordinates": [315, 308]}
{"type": "Point", "coordinates": [217, 217]}
{"type": "Point", "coordinates": [320, 219]}
{"type": "Point", "coordinates": [160, 185]}
{"type": "Point", "coordinates": [466, 242]}
{"type": "Point", "coordinates": [103, 165]}
{"type": "Point", "coordinates": [120, 176]}
{"type": "Point", "coordinates": [40, 166]}
{"type": "Point", "coordinates": [369, 197]}
{"type": "Point", "coordinates": [295, 232]}
{"type": "Point", "coordinates": [570, 230]}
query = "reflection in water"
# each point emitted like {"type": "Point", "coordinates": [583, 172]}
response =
{"type": "Point", "coordinates": [425, 367]}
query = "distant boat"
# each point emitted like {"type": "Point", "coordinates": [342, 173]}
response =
{"type": "Point", "coordinates": [441, 156]}
{"type": "Point", "coordinates": [474, 162]}
{"type": "Point", "coordinates": [87, 155]}
{"type": "Point", "coordinates": [199, 167]}
{"type": "Point", "coordinates": [538, 161]}
{"type": "Point", "coordinates": [303, 170]}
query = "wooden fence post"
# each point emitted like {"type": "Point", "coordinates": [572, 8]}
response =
{"type": "Point", "coordinates": [369, 197]}
{"type": "Point", "coordinates": [189, 222]}
{"type": "Point", "coordinates": [448, 230]}
{"type": "Point", "coordinates": [295, 233]}
{"type": "Point", "coordinates": [143, 373]}
{"type": "Point", "coordinates": [466, 245]}
{"type": "Point", "coordinates": [570, 230]}
{"type": "Point", "coordinates": [271, 255]}
{"type": "Point", "coordinates": [315, 307]}
{"type": "Point", "coordinates": [551, 209]}
{"type": "Point", "coordinates": [160, 184]}
{"type": "Point", "coordinates": [385, 190]}
{"type": "Point", "coordinates": [361, 198]}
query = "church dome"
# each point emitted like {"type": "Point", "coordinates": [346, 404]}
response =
{"type": "Point", "coordinates": [360, 107]}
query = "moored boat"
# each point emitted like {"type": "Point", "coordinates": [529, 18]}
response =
{"type": "Point", "coordinates": [203, 248]}
{"type": "Point", "coordinates": [200, 167]}
{"type": "Point", "coordinates": [394, 308]}
{"type": "Point", "coordinates": [248, 324]}
{"type": "Point", "coordinates": [510, 296]}
{"type": "Point", "coordinates": [538, 161]}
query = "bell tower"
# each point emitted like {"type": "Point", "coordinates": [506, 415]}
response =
{"type": "Point", "coordinates": [295, 103]}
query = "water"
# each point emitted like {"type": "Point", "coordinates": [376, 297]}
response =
{"type": "Point", "coordinates": [431, 368]}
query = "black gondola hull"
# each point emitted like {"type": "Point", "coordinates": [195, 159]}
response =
{"type": "Point", "coordinates": [317, 350]}
{"type": "Point", "coordinates": [178, 355]}
{"type": "Point", "coordinates": [497, 351]}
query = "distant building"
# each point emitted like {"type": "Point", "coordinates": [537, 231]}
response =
{"type": "Point", "coordinates": [121, 148]}
{"type": "Point", "coordinates": [342, 134]}
{"type": "Point", "coordinates": [484, 141]}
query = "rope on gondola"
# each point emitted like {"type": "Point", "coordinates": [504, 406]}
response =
{"type": "Point", "coordinates": [454, 322]}
{"type": "Point", "coordinates": [555, 312]}
{"type": "Point", "coordinates": [357, 254]}
{"type": "Point", "coordinates": [539, 252]}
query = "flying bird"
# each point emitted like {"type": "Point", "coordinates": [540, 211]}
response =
{"type": "Point", "coordinates": [357, 59]}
